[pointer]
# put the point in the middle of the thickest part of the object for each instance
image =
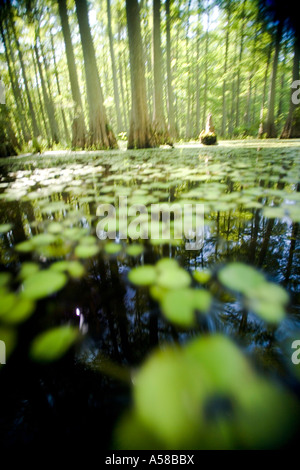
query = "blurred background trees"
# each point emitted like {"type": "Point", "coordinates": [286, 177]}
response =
{"type": "Point", "coordinates": [83, 74]}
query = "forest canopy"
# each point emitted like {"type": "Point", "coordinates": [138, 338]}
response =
{"type": "Point", "coordinates": [81, 74]}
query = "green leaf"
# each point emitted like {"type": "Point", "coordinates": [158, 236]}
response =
{"type": "Point", "coordinates": [134, 250]}
{"type": "Point", "coordinates": [179, 305]}
{"type": "Point", "coordinates": [86, 251]}
{"type": "Point", "coordinates": [5, 278]}
{"type": "Point", "coordinates": [143, 275]}
{"type": "Point", "coordinates": [27, 269]}
{"type": "Point", "coordinates": [174, 278]}
{"type": "Point", "coordinates": [4, 228]}
{"type": "Point", "coordinates": [74, 268]}
{"type": "Point", "coordinates": [112, 248]}
{"type": "Point", "coordinates": [240, 277]}
{"type": "Point", "coordinates": [19, 312]}
{"type": "Point", "coordinates": [202, 276]}
{"type": "Point", "coordinates": [42, 284]}
{"type": "Point", "coordinates": [53, 344]}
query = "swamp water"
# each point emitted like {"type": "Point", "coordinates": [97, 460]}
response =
{"type": "Point", "coordinates": [142, 343]}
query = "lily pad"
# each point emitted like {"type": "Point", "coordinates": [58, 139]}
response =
{"type": "Point", "coordinates": [86, 251]}
{"type": "Point", "coordinates": [52, 344]}
{"type": "Point", "coordinates": [43, 283]}
{"type": "Point", "coordinates": [240, 277]}
{"type": "Point", "coordinates": [112, 248]}
{"type": "Point", "coordinates": [4, 228]}
{"type": "Point", "coordinates": [134, 250]}
{"type": "Point", "coordinates": [173, 278]}
{"type": "Point", "coordinates": [143, 275]}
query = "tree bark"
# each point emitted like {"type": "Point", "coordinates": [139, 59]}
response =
{"type": "Point", "coordinates": [289, 131]}
{"type": "Point", "coordinates": [78, 125]}
{"type": "Point", "coordinates": [35, 128]}
{"type": "Point", "coordinates": [140, 134]}
{"type": "Point", "coordinates": [270, 128]}
{"type": "Point", "coordinates": [170, 100]}
{"type": "Point", "coordinates": [101, 135]}
{"type": "Point", "coordinates": [159, 123]}
{"type": "Point", "coordinates": [114, 72]}
{"type": "Point", "coordinates": [48, 102]}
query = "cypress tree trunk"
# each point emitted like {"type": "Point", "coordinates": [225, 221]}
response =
{"type": "Point", "coordinates": [35, 128]}
{"type": "Point", "coordinates": [270, 128]}
{"type": "Point", "coordinates": [140, 134]}
{"type": "Point", "coordinates": [238, 80]}
{"type": "Point", "coordinates": [78, 125]}
{"type": "Point", "coordinates": [67, 134]}
{"type": "Point", "coordinates": [170, 101]}
{"type": "Point", "coordinates": [159, 124]}
{"type": "Point", "coordinates": [114, 72]}
{"type": "Point", "coordinates": [15, 88]}
{"type": "Point", "coordinates": [48, 102]}
{"type": "Point", "coordinates": [291, 129]}
{"type": "Point", "coordinates": [101, 134]}
{"type": "Point", "coordinates": [224, 118]}
{"type": "Point", "coordinates": [262, 126]}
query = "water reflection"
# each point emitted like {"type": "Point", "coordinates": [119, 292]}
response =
{"type": "Point", "coordinates": [120, 323]}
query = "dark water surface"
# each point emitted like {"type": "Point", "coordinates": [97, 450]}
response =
{"type": "Point", "coordinates": [252, 212]}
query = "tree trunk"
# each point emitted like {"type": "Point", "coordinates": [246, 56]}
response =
{"type": "Point", "coordinates": [15, 87]}
{"type": "Point", "coordinates": [48, 102]}
{"type": "Point", "coordinates": [224, 117]}
{"type": "Point", "coordinates": [197, 128]}
{"type": "Point", "coordinates": [114, 72]}
{"type": "Point", "coordinates": [270, 129]}
{"type": "Point", "coordinates": [35, 128]}
{"type": "Point", "coordinates": [67, 134]}
{"type": "Point", "coordinates": [290, 129]}
{"type": "Point", "coordinates": [101, 134]}
{"type": "Point", "coordinates": [140, 134]}
{"type": "Point", "coordinates": [262, 125]}
{"type": "Point", "coordinates": [159, 124]}
{"type": "Point", "coordinates": [78, 125]}
{"type": "Point", "coordinates": [205, 74]}
{"type": "Point", "coordinates": [170, 100]}
{"type": "Point", "coordinates": [238, 80]}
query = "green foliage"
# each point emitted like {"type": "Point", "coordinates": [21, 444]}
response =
{"type": "Point", "coordinates": [52, 344]}
{"type": "Point", "coordinates": [205, 395]}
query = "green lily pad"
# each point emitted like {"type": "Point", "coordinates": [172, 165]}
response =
{"type": "Point", "coordinates": [43, 239]}
{"type": "Point", "coordinates": [202, 276]}
{"type": "Point", "coordinates": [143, 275]}
{"type": "Point", "coordinates": [179, 305]}
{"type": "Point", "coordinates": [21, 310]}
{"type": "Point", "coordinates": [4, 228]}
{"type": "Point", "coordinates": [268, 301]}
{"type": "Point", "coordinates": [112, 248]}
{"type": "Point", "coordinates": [42, 284]}
{"type": "Point", "coordinates": [8, 300]}
{"type": "Point", "coordinates": [5, 278]}
{"type": "Point", "coordinates": [240, 277]}
{"type": "Point", "coordinates": [55, 228]}
{"type": "Point", "coordinates": [173, 278]}
{"type": "Point", "coordinates": [134, 250]}
{"type": "Point", "coordinates": [86, 251]}
{"type": "Point", "coordinates": [52, 344]}
{"type": "Point", "coordinates": [27, 269]}
{"type": "Point", "coordinates": [24, 247]}
{"type": "Point", "coordinates": [74, 268]}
